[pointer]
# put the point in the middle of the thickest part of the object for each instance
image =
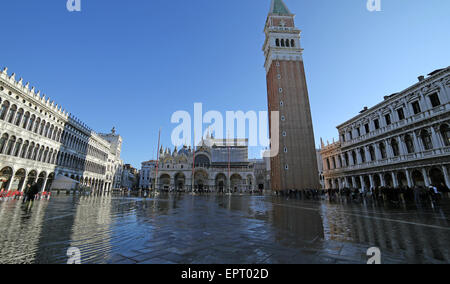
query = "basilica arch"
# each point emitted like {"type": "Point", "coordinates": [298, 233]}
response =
{"type": "Point", "coordinates": [236, 182]}
{"type": "Point", "coordinates": [201, 180]}
{"type": "Point", "coordinates": [180, 181]}
{"type": "Point", "coordinates": [221, 182]}
{"type": "Point", "coordinates": [164, 181]}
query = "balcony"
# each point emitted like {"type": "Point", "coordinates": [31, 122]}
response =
{"type": "Point", "coordinates": [399, 124]}
{"type": "Point", "coordinates": [433, 153]}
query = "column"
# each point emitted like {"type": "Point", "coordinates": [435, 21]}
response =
{"type": "Point", "coordinates": [44, 184]}
{"type": "Point", "coordinates": [389, 151]}
{"type": "Point", "coordinates": [445, 172]}
{"type": "Point", "coordinates": [382, 179]}
{"type": "Point", "coordinates": [402, 145]}
{"type": "Point", "coordinates": [367, 152]}
{"type": "Point", "coordinates": [425, 177]}
{"type": "Point", "coordinates": [423, 102]}
{"type": "Point", "coordinates": [354, 182]}
{"type": "Point", "coordinates": [372, 185]}
{"type": "Point", "coordinates": [417, 144]}
{"type": "Point", "coordinates": [394, 180]}
{"type": "Point", "coordinates": [8, 188]}
{"type": "Point", "coordinates": [445, 97]}
{"type": "Point", "coordinates": [344, 164]}
{"type": "Point", "coordinates": [347, 185]}
{"type": "Point", "coordinates": [377, 151]}
{"type": "Point", "coordinates": [358, 156]}
{"type": "Point", "coordinates": [22, 188]}
{"type": "Point", "coordinates": [435, 137]}
{"type": "Point", "coordinates": [363, 184]}
{"type": "Point", "coordinates": [408, 177]}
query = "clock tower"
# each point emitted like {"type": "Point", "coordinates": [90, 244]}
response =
{"type": "Point", "coordinates": [295, 167]}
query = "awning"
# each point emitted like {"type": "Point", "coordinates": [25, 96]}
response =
{"type": "Point", "coordinates": [64, 183]}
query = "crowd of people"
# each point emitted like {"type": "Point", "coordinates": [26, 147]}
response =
{"type": "Point", "coordinates": [417, 194]}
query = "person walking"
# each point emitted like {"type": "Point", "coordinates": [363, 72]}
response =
{"type": "Point", "coordinates": [34, 189]}
{"type": "Point", "coordinates": [25, 193]}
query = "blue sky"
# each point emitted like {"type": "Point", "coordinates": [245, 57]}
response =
{"type": "Point", "coordinates": [131, 64]}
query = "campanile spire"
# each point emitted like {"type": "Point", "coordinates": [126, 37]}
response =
{"type": "Point", "coordinates": [295, 167]}
{"type": "Point", "coordinates": [278, 7]}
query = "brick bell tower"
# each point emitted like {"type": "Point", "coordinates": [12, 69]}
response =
{"type": "Point", "coordinates": [295, 167]}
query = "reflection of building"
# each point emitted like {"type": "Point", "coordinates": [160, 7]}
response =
{"type": "Point", "coordinates": [295, 167]}
{"type": "Point", "coordinates": [219, 166]}
{"type": "Point", "coordinates": [39, 141]}
{"type": "Point", "coordinates": [402, 141]}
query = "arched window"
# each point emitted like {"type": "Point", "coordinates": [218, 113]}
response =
{"type": "Point", "coordinates": [44, 158]}
{"type": "Point", "coordinates": [18, 117]}
{"type": "Point", "coordinates": [4, 110]}
{"type": "Point", "coordinates": [47, 127]}
{"type": "Point", "coordinates": [41, 151]}
{"type": "Point", "coordinates": [292, 43]}
{"type": "Point", "coordinates": [445, 133]}
{"type": "Point", "coordinates": [426, 140]}
{"type": "Point", "coordinates": [395, 149]}
{"type": "Point", "coordinates": [409, 144]}
{"type": "Point", "coordinates": [12, 112]}
{"type": "Point", "coordinates": [10, 147]}
{"type": "Point", "coordinates": [334, 162]}
{"type": "Point", "coordinates": [346, 159]}
{"type": "Point", "coordinates": [17, 148]}
{"type": "Point", "coordinates": [287, 43]}
{"type": "Point", "coordinates": [31, 124]}
{"type": "Point", "coordinates": [35, 152]}
{"type": "Point", "coordinates": [383, 150]}
{"type": "Point", "coordinates": [36, 125]}
{"type": "Point", "coordinates": [24, 149]}
{"type": "Point", "coordinates": [41, 131]}
{"type": "Point", "coordinates": [282, 42]}
{"type": "Point", "coordinates": [328, 164]}
{"type": "Point", "coordinates": [3, 141]}
{"type": "Point", "coordinates": [277, 42]}
{"type": "Point", "coordinates": [30, 151]}
{"type": "Point", "coordinates": [26, 118]}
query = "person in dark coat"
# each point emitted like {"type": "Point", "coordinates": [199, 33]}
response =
{"type": "Point", "coordinates": [25, 193]}
{"type": "Point", "coordinates": [34, 189]}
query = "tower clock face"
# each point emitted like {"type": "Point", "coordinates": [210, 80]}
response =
{"type": "Point", "coordinates": [283, 23]}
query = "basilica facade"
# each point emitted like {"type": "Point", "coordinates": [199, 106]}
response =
{"type": "Point", "coordinates": [216, 165]}
{"type": "Point", "coordinates": [404, 141]}
{"type": "Point", "coordinates": [40, 142]}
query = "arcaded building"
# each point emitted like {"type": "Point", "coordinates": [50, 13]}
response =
{"type": "Point", "coordinates": [295, 166]}
{"type": "Point", "coordinates": [41, 142]}
{"type": "Point", "coordinates": [402, 141]}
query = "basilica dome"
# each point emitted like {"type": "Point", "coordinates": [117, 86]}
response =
{"type": "Point", "coordinates": [184, 151]}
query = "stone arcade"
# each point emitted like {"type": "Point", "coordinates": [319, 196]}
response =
{"type": "Point", "coordinates": [39, 141]}
{"type": "Point", "coordinates": [402, 141]}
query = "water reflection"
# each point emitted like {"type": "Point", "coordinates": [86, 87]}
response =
{"type": "Point", "coordinates": [218, 229]}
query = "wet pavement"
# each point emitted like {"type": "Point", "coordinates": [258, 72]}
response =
{"type": "Point", "coordinates": [221, 229]}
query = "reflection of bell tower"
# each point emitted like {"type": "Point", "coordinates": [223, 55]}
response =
{"type": "Point", "coordinates": [295, 167]}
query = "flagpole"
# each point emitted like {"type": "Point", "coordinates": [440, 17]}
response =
{"type": "Point", "coordinates": [157, 160]}
{"type": "Point", "coordinates": [229, 167]}
{"type": "Point", "coordinates": [193, 167]}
